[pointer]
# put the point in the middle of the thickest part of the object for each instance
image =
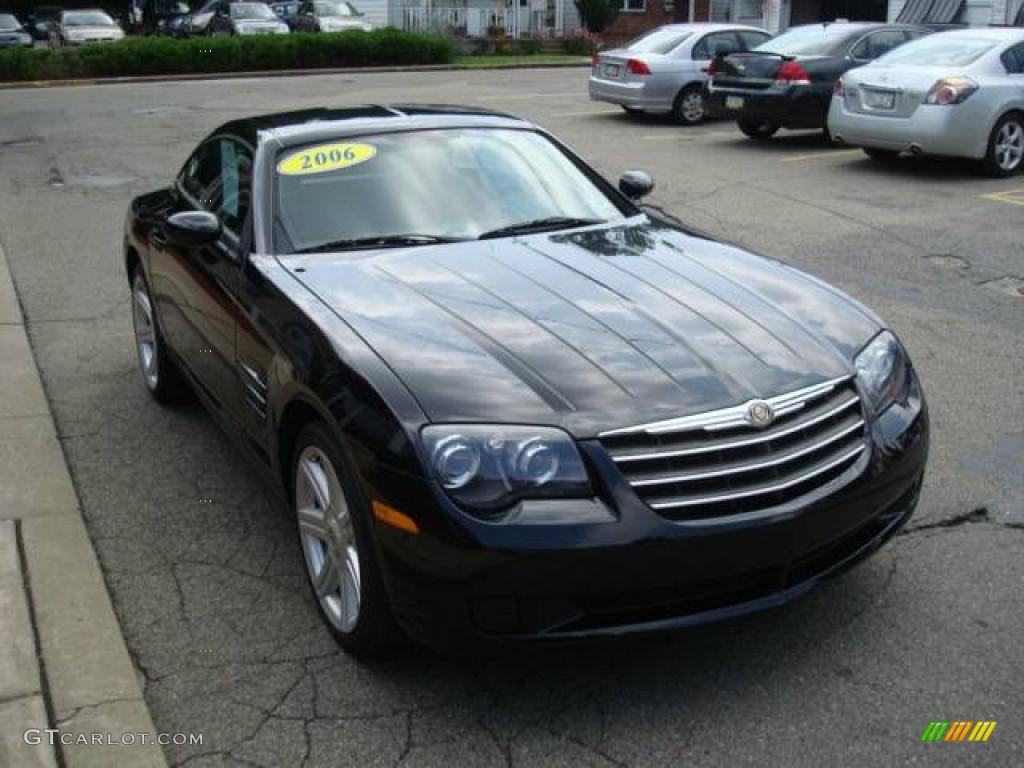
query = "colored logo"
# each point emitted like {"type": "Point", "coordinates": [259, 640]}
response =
{"type": "Point", "coordinates": [959, 730]}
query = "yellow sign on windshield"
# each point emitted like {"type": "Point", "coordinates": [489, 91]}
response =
{"type": "Point", "coordinates": [324, 158]}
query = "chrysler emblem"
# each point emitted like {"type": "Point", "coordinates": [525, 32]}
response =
{"type": "Point", "coordinates": [760, 414]}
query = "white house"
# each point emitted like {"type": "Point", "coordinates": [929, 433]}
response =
{"type": "Point", "coordinates": [777, 15]}
{"type": "Point", "coordinates": [473, 18]}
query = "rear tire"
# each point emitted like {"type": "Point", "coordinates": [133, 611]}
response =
{"type": "Point", "coordinates": [881, 155]}
{"type": "Point", "coordinates": [1005, 153]}
{"type": "Point", "coordinates": [333, 521]}
{"type": "Point", "coordinates": [689, 107]}
{"type": "Point", "coordinates": [760, 131]}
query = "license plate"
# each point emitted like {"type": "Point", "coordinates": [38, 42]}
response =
{"type": "Point", "coordinates": [612, 70]}
{"type": "Point", "coordinates": [879, 99]}
{"type": "Point", "coordinates": [734, 102]}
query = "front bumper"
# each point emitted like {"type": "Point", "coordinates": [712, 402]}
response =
{"type": "Point", "coordinates": [794, 106]}
{"type": "Point", "coordinates": [957, 131]}
{"type": "Point", "coordinates": [462, 583]}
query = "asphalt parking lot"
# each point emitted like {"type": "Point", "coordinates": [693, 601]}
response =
{"type": "Point", "coordinates": [202, 564]}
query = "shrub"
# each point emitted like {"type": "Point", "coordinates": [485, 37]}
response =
{"type": "Point", "coordinates": [580, 42]}
{"type": "Point", "coordinates": [165, 56]}
{"type": "Point", "coordinates": [597, 15]}
{"type": "Point", "coordinates": [530, 47]}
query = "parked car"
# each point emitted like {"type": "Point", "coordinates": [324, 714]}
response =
{"type": "Point", "coordinates": [955, 93]}
{"type": "Point", "coordinates": [330, 17]}
{"type": "Point", "coordinates": [246, 18]}
{"type": "Point", "coordinates": [84, 27]}
{"type": "Point", "coordinates": [503, 400]}
{"type": "Point", "coordinates": [42, 19]}
{"type": "Point", "coordinates": [12, 33]}
{"type": "Point", "coordinates": [165, 17]}
{"type": "Point", "coordinates": [286, 12]}
{"type": "Point", "coordinates": [665, 69]}
{"type": "Point", "coordinates": [787, 82]}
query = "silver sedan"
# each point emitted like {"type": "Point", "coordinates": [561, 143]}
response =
{"type": "Point", "coordinates": [958, 93]}
{"type": "Point", "coordinates": [665, 70]}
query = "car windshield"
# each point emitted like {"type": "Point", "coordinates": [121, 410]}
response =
{"type": "Point", "coordinates": [9, 22]}
{"type": "Point", "coordinates": [939, 51]}
{"type": "Point", "coordinates": [810, 40]}
{"type": "Point", "coordinates": [433, 184]}
{"type": "Point", "coordinates": [87, 19]}
{"type": "Point", "coordinates": [335, 9]}
{"type": "Point", "coordinates": [661, 40]}
{"type": "Point", "coordinates": [251, 11]}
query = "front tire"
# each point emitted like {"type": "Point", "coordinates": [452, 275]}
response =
{"type": "Point", "coordinates": [759, 131]}
{"type": "Point", "coordinates": [1005, 152]}
{"type": "Point", "coordinates": [160, 373]}
{"type": "Point", "coordinates": [333, 522]}
{"type": "Point", "coordinates": [689, 107]}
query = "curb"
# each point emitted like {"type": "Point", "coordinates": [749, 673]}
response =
{"type": "Point", "coordinates": [203, 76]}
{"type": "Point", "coordinates": [64, 664]}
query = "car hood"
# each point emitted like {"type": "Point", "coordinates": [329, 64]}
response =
{"type": "Point", "coordinates": [592, 330]}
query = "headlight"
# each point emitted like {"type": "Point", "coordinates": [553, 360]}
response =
{"type": "Point", "coordinates": [282, 29]}
{"type": "Point", "coordinates": [882, 371]}
{"type": "Point", "coordinates": [491, 468]}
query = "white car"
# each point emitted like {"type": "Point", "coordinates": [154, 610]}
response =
{"type": "Point", "coordinates": [84, 27]}
{"type": "Point", "coordinates": [958, 93]}
{"type": "Point", "coordinates": [665, 70]}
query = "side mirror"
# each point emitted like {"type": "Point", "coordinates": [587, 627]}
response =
{"type": "Point", "coordinates": [193, 228]}
{"type": "Point", "coordinates": [636, 184]}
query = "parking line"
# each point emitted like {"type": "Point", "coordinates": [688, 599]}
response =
{"type": "Point", "coordinates": [816, 155]}
{"type": "Point", "coordinates": [1011, 196]}
{"type": "Point", "coordinates": [675, 136]}
{"type": "Point", "coordinates": [587, 113]}
{"type": "Point", "coordinates": [522, 96]}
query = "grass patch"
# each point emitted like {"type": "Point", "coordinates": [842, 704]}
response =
{"type": "Point", "coordinates": [498, 60]}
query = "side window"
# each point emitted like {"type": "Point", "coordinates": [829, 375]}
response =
{"type": "Point", "coordinates": [235, 183]}
{"type": "Point", "coordinates": [877, 43]}
{"type": "Point", "coordinates": [1013, 59]}
{"type": "Point", "coordinates": [200, 177]}
{"type": "Point", "coordinates": [715, 44]}
{"type": "Point", "coordinates": [751, 40]}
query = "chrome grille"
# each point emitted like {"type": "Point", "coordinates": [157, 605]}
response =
{"type": "Point", "coordinates": [715, 464]}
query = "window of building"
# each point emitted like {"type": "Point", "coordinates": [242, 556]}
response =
{"type": "Point", "coordinates": [633, 6]}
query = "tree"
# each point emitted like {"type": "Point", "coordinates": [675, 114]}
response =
{"type": "Point", "coordinates": [597, 15]}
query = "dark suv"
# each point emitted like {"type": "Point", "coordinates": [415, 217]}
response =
{"type": "Point", "coordinates": [787, 81]}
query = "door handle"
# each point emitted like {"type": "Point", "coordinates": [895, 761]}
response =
{"type": "Point", "coordinates": [158, 238]}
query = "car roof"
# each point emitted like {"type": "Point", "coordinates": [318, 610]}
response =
{"type": "Point", "coordinates": [706, 26]}
{"type": "Point", "coordinates": [294, 127]}
{"type": "Point", "coordinates": [995, 33]}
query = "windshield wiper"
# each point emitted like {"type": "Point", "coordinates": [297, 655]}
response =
{"type": "Point", "coordinates": [379, 241]}
{"type": "Point", "coordinates": [538, 225]}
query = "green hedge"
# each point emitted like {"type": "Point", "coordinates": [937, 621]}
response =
{"type": "Point", "coordinates": [164, 56]}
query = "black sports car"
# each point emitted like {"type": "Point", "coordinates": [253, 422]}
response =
{"type": "Point", "coordinates": [504, 401]}
{"type": "Point", "coordinates": [787, 82]}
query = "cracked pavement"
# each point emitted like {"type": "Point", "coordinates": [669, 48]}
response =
{"type": "Point", "coordinates": [211, 595]}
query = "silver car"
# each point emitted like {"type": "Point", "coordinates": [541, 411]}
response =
{"type": "Point", "coordinates": [84, 27]}
{"type": "Point", "coordinates": [958, 93]}
{"type": "Point", "coordinates": [665, 70]}
{"type": "Point", "coordinates": [327, 16]}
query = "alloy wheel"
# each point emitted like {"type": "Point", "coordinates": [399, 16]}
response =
{"type": "Point", "coordinates": [145, 332]}
{"type": "Point", "coordinates": [692, 107]}
{"type": "Point", "coordinates": [1009, 149]}
{"type": "Point", "coordinates": [328, 539]}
